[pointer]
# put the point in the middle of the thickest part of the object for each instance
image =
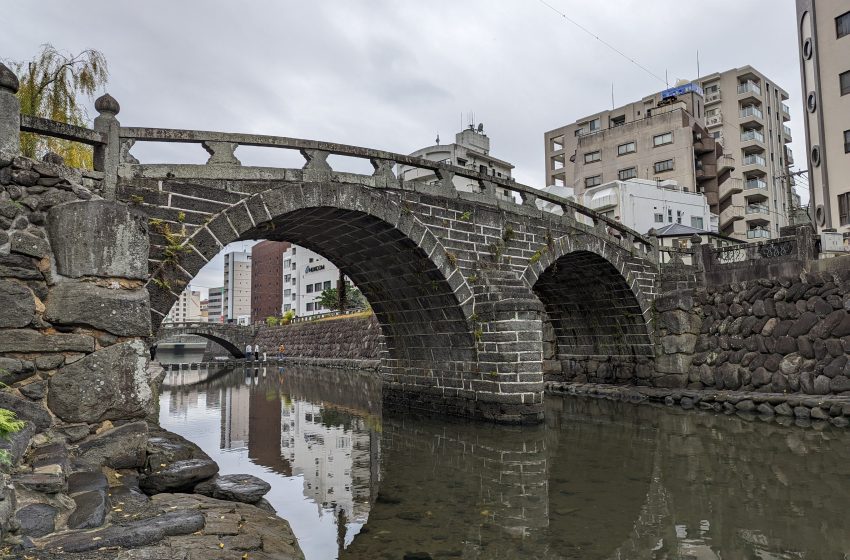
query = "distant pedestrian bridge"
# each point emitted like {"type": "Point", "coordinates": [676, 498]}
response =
{"type": "Point", "coordinates": [232, 337]}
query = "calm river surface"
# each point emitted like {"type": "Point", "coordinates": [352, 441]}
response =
{"type": "Point", "coordinates": [598, 480]}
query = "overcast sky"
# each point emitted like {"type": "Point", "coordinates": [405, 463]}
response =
{"type": "Point", "coordinates": [392, 74]}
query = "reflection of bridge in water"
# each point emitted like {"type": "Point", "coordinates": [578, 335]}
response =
{"type": "Point", "coordinates": [599, 480]}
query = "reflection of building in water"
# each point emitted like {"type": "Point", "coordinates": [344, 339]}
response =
{"type": "Point", "coordinates": [234, 416]}
{"type": "Point", "coordinates": [336, 462]}
{"type": "Point", "coordinates": [264, 425]}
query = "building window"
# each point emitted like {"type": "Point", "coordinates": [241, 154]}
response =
{"type": "Point", "coordinates": [659, 218]}
{"type": "Point", "coordinates": [461, 162]}
{"type": "Point", "coordinates": [696, 222]}
{"type": "Point", "coordinates": [627, 148]}
{"type": "Point", "coordinates": [310, 306]}
{"type": "Point", "coordinates": [309, 288]}
{"type": "Point", "coordinates": [670, 215]}
{"type": "Point", "coordinates": [842, 25]}
{"type": "Point", "coordinates": [711, 89]}
{"type": "Point", "coordinates": [318, 286]}
{"type": "Point", "coordinates": [844, 79]}
{"type": "Point", "coordinates": [593, 181]}
{"type": "Point", "coordinates": [590, 157]}
{"type": "Point", "coordinates": [847, 141]}
{"type": "Point", "coordinates": [661, 139]}
{"type": "Point", "coordinates": [661, 166]}
{"type": "Point", "coordinates": [618, 121]}
{"type": "Point", "coordinates": [327, 285]}
{"type": "Point", "coordinates": [844, 209]}
{"type": "Point", "coordinates": [625, 174]}
{"type": "Point", "coordinates": [679, 216]}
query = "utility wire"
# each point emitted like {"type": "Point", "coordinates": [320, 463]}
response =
{"type": "Point", "coordinates": [604, 42]}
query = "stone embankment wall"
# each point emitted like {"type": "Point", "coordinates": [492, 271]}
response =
{"type": "Point", "coordinates": [345, 342]}
{"type": "Point", "coordinates": [74, 313]}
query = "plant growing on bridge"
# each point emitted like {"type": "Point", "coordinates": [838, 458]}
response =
{"type": "Point", "coordinates": [466, 216]}
{"type": "Point", "coordinates": [508, 234]}
{"type": "Point", "coordinates": [50, 85]}
{"type": "Point", "coordinates": [9, 424]}
{"type": "Point", "coordinates": [452, 258]}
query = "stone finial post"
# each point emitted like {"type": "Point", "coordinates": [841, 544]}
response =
{"type": "Point", "coordinates": [106, 155]}
{"type": "Point", "coordinates": [653, 238]}
{"type": "Point", "coordinates": [696, 245]}
{"type": "Point", "coordinates": [10, 113]}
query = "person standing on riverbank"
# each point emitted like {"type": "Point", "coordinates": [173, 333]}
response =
{"type": "Point", "coordinates": [249, 353]}
{"type": "Point", "coordinates": [280, 351]}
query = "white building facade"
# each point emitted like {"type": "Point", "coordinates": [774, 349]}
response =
{"type": "Point", "coordinates": [306, 274]}
{"type": "Point", "coordinates": [187, 308]}
{"type": "Point", "coordinates": [215, 305]}
{"type": "Point", "coordinates": [236, 300]}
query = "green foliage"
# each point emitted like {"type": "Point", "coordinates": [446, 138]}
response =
{"type": "Point", "coordinates": [537, 254]}
{"type": "Point", "coordinates": [466, 216]}
{"type": "Point", "coordinates": [181, 217]}
{"type": "Point", "coordinates": [272, 321]}
{"type": "Point", "coordinates": [163, 284]}
{"type": "Point", "coordinates": [287, 317]}
{"type": "Point", "coordinates": [50, 85]}
{"type": "Point", "coordinates": [452, 258]}
{"type": "Point", "coordinates": [136, 199]}
{"type": "Point", "coordinates": [496, 250]}
{"type": "Point", "coordinates": [473, 278]}
{"type": "Point", "coordinates": [353, 298]}
{"type": "Point", "coordinates": [479, 332]}
{"type": "Point", "coordinates": [9, 424]}
{"type": "Point", "coordinates": [508, 234]}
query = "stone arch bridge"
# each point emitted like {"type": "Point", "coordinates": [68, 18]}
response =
{"type": "Point", "coordinates": [475, 293]}
{"type": "Point", "coordinates": [232, 337]}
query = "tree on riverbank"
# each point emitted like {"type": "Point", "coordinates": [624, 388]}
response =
{"type": "Point", "coordinates": [51, 85]}
{"type": "Point", "coordinates": [353, 298]}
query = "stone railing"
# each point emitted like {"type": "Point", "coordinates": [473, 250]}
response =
{"type": "Point", "coordinates": [112, 144]}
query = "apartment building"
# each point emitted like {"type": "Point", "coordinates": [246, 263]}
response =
{"type": "Point", "coordinates": [215, 305]}
{"type": "Point", "coordinates": [266, 279]}
{"type": "Point", "coordinates": [726, 142]}
{"type": "Point", "coordinates": [186, 309]}
{"type": "Point", "coordinates": [306, 274]}
{"type": "Point", "coordinates": [471, 150]}
{"type": "Point", "coordinates": [823, 28]}
{"type": "Point", "coordinates": [746, 112]}
{"type": "Point", "coordinates": [236, 300]}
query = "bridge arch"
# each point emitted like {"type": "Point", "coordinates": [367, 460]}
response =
{"type": "Point", "coordinates": [419, 296]}
{"type": "Point", "coordinates": [595, 298]}
{"type": "Point", "coordinates": [235, 345]}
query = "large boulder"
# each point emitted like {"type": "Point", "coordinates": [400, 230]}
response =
{"type": "Point", "coordinates": [123, 447]}
{"type": "Point", "coordinates": [120, 312]}
{"type": "Point", "coordinates": [17, 305]}
{"type": "Point", "coordinates": [110, 384]}
{"type": "Point", "coordinates": [37, 520]}
{"type": "Point", "coordinates": [178, 476]}
{"type": "Point", "coordinates": [235, 488]}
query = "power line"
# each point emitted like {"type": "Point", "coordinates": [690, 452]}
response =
{"type": "Point", "coordinates": [604, 42]}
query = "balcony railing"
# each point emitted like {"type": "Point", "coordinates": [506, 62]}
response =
{"type": "Point", "coordinates": [730, 214]}
{"type": "Point", "coordinates": [749, 87]}
{"type": "Point", "coordinates": [758, 209]}
{"type": "Point", "coordinates": [787, 130]}
{"type": "Point", "coordinates": [756, 184]}
{"type": "Point", "coordinates": [786, 110]}
{"type": "Point", "coordinates": [603, 202]}
{"type": "Point", "coordinates": [712, 97]}
{"type": "Point", "coordinates": [714, 120]}
{"type": "Point", "coordinates": [758, 234]}
{"type": "Point", "coordinates": [751, 110]}
{"type": "Point", "coordinates": [752, 135]}
{"type": "Point", "coordinates": [754, 159]}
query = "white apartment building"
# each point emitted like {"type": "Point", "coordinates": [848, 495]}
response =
{"type": "Point", "coordinates": [823, 28]}
{"type": "Point", "coordinates": [471, 150]}
{"type": "Point", "coordinates": [306, 274]}
{"type": "Point", "coordinates": [187, 308]}
{"type": "Point", "coordinates": [722, 135]}
{"type": "Point", "coordinates": [215, 305]}
{"type": "Point", "coordinates": [236, 300]}
{"type": "Point", "coordinates": [643, 204]}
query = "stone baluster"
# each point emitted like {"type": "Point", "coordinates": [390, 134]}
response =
{"type": "Point", "coordinates": [529, 199]}
{"type": "Point", "coordinates": [446, 178]}
{"type": "Point", "coordinates": [654, 250]}
{"type": "Point", "coordinates": [316, 159]}
{"type": "Point", "coordinates": [106, 156]}
{"type": "Point", "coordinates": [10, 114]}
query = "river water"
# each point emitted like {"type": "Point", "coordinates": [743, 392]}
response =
{"type": "Point", "coordinates": [598, 480]}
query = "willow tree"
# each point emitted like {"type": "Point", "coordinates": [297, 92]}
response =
{"type": "Point", "coordinates": [52, 85]}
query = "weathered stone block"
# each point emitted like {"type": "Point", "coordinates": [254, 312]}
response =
{"type": "Point", "coordinates": [28, 244]}
{"type": "Point", "coordinates": [26, 410]}
{"type": "Point", "coordinates": [678, 344]}
{"type": "Point", "coordinates": [98, 238]}
{"type": "Point", "coordinates": [37, 520]}
{"type": "Point", "coordinates": [120, 448]}
{"type": "Point", "coordinates": [235, 488]}
{"type": "Point", "coordinates": [111, 384]}
{"type": "Point", "coordinates": [121, 312]}
{"type": "Point", "coordinates": [23, 340]}
{"type": "Point", "coordinates": [17, 305]}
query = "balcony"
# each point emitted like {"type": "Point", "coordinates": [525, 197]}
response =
{"type": "Point", "coordinates": [712, 97]}
{"type": "Point", "coordinates": [714, 120]}
{"type": "Point", "coordinates": [731, 214]}
{"type": "Point", "coordinates": [749, 90]}
{"type": "Point", "coordinates": [754, 159]}
{"type": "Point", "coordinates": [786, 130]}
{"type": "Point", "coordinates": [789, 156]}
{"type": "Point", "coordinates": [751, 115]}
{"type": "Point", "coordinates": [755, 185]}
{"type": "Point", "coordinates": [706, 171]}
{"type": "Point", "coordinates": [603, 202]}
{"type": "Point", "coordinates": [786, 112]}
{"type": "Point", "coordinates": [731, 186]}
{"type": "Point", "coordinates": [725, 163]}
{"type": "Point", "coordinates": [758, 234]}
{"type": "Point", "coordinates": [752, 135]}
{"type": "Point", "coordinates": [704, 144]}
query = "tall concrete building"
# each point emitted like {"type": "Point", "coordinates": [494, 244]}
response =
{"type": "Point", "coordinates": [236, 300]}
{"type": "Point", "coordinates": [306, 274]}
{"type": "Point", "coordinates": [267, 279]}
{"type": "Point", "coordinates": [471, 149]}
{"type": "Point", "coordinates": [215, 305]}
{"type": "Point", "coordinates": [187, 308]}
{"type": "Point", "coordinates": [823, 28]}
{"type": "Point", "coordinates": [720, 135]}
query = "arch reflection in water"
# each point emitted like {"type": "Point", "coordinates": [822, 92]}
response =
{"type": "Point", "coordinates": [599, 480]}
